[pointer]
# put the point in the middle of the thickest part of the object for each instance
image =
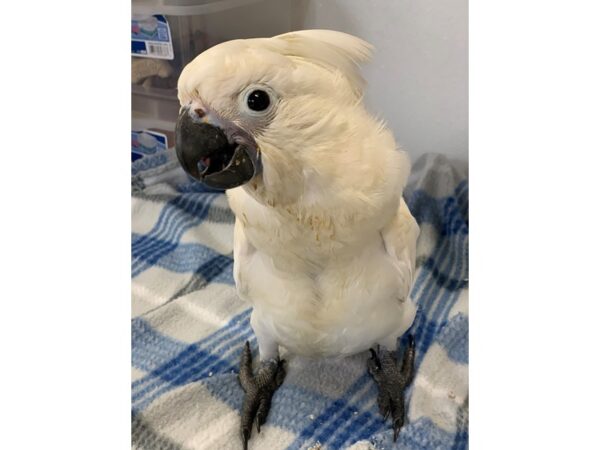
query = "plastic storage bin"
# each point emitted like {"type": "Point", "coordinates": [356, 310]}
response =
{"type": "Point", "coordinates": [195, 25]}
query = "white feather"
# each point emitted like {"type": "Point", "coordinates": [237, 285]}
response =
{"type": "Point", "coordinates": [333, 50]}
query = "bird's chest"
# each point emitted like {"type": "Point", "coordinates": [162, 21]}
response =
{"type": "Point", "coordinates": [318, 285]}
{"type": "Point", "coordinates": [338, 307]}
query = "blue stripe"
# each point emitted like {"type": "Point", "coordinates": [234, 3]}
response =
{"type": "Point", "coordinates": [196, 362]}
{"type": "Point", "coordinates": [166, 232]}
{"type": "Point", "coordinates": [199, 259]}
{"type": "Point", "coordinates": [317, 429]}
{"type": "Point", "coordinates": [149, 162]}
{"type": "Point", "coordinates": [454, 338]}
{"type": "Point", "coordinates": [449, 297]}
{"type": "Point", "coordinates": [173, 209]}
{"type": "Point", "coordinates": [452, 285]}
{"type": "Point", "coordinates": [421, 326]}
{"type": "Point", "coordinates": [217, 270]}
{"type": "Point", "coordinates": [462, 198]}
{"type": "Point", "coordinates": [187, 257]}
{"type": "Point", "coordinates": [336, 431]}
{"type": "Point", "coordinates": [434, 266]}
{"type": "Point", "coordinates": [295, 406]}
{"type": "Point", "coordinates": [428, 209]}
{"type": "Point", "coordinates": [151, 349]}
{"type": "Point", "coordinates": [163, 344]}
{"type": "Point", "coordinates": [429, 274]}
{"type": "Point", "coordinates": [191, 185]}
{"type": "Point", "coordinates": [178, 215]}
{"type": "Point", "coordinates": [421, 434]}
{"type": "Point", "coordinates": [451, 294]}
{"type": "Point", "coordinates": [359, 422]}
{"type": "Point", "coordinates": [189, 374]}
{"type": "Point", "coordinates": [449, 287]}
{"type": "Point", "coordinates": [461, 440]}
{"type": "Point", "coordinates": [187, 364]}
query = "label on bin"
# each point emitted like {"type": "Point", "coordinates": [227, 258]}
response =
{"type": "Point", "coordinates": [151, 37]}
{"type": "Point", "coordinates": [146, 142]}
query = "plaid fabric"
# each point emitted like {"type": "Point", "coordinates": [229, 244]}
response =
{"type": "Point", "coordinates": [188, 328]}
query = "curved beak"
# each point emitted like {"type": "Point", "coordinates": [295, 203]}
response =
{"type": "Point", "coordinates": [217, 153]}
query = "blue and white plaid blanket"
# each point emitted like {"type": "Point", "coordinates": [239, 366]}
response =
{"type": "Point", "coordinates": [189, 326]}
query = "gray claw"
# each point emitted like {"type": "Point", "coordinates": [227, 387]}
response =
{"type": "Point", "coordinates": [396, 431]}
{"type": "Point", "coordinates": [373, 354]}
{"type": "Point", "coordinates": [245, 438]}
{"type": "Point", "coordinates": [386, 414]}
{"type": "Point", "coordinates": [392, 378]}
{"type": "Point", "coordinates": [259, 389]}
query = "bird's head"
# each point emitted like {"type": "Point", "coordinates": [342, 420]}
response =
{"type": "Point", "coordinates": [274, 114]}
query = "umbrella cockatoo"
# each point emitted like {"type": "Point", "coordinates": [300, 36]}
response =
{"type": "Point", "coordinates": [324, 244]}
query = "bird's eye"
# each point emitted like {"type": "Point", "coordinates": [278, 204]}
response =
{"type": "Point", "coordinates": [258, 100]}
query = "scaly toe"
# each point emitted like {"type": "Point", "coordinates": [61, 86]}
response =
{"type": "Point", "coordinates": [259, 389]}
{"type": "Point", "coordinates": [391, 381]}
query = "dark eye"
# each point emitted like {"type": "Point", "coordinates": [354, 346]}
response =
{"type": "Point", "coordinates": [258, 100]}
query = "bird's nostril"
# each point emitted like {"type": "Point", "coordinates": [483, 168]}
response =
{"type": "Point", "coordinates": [201, 113]}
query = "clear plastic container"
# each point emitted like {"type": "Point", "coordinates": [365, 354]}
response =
{"type": "Point", "coordinates": [186, 7]}
{"type": "Point", "coordinates": [195, 25]}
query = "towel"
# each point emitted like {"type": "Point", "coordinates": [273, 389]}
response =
{"type": "Point", "coordinates": [188, 328]}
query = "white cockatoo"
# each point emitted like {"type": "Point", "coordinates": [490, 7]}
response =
{"type": "Point", "coordinates": [324, 244]}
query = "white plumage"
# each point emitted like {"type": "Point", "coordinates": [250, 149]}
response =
{"type": "Point", "coordinates": [324, 245]}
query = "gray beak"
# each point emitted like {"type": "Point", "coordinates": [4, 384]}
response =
{"type": "Point", "coordinates": [219, 158]}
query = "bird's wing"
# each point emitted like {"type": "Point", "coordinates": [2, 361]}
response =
{"type": "Point", "coordinates": [242, 251]}
{"type": "Point", "coordinates": [400, 241]}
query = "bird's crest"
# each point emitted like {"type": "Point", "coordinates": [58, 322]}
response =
{"type": "Point", "coordinates": [332, 50]}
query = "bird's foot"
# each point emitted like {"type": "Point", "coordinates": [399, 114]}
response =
{"type": "Point", "coordinates": [259, 389]}
{"type": "Point", "coordinates": [392, 380]}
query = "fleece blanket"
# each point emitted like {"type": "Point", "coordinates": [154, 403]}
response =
{"type": "Point", "coordinates": [188, 327]}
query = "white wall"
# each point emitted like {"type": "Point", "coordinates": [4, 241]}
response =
{"type": "Point", "coordinates": [263, 19]}
{"type": "Point", "coordinates": [418, 77]}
